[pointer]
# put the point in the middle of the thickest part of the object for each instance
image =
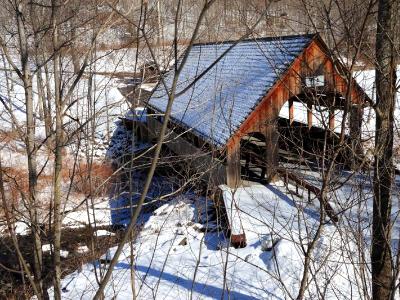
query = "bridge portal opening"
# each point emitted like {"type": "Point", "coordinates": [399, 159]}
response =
{"type": "Point", "coordinates": [305, 136]}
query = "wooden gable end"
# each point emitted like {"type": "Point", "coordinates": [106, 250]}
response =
{"type": "Point", "coordinates": [312, 62]}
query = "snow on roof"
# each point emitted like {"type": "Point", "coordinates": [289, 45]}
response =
{"type": "Point", "coordinates": [217, 104]}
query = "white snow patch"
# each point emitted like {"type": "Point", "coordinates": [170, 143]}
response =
{"type": "Point", "coordinates": [47, 247]}
{"type": "Point", "coordinates": [64, 253]}
{"type": "Point", "coordinates": [22, 228]}
{"type": "Point", "coordinates": [148, 86]}
{"type": "Point", "coordinates": [82, 249]}
{"type": "Point", "coordinates": [83, 217]}
{"type": "Point", "coordinates": [103, 232]}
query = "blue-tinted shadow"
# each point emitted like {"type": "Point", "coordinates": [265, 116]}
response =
{"type": "Point", "coordinates": [200, 288]}
{"type": "Point", "coordinates": [313, 214]}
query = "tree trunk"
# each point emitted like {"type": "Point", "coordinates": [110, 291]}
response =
{"type": "Point", "coordinates": [381, 258]}
{"type": "Point", "coordinates": [43, 103]}
{"type": "Point", "coordinates": [8, 86]}
{"type": "Point", "coordinates": [48, 104]}
{"type": "Point", "coordinates": [57, 159]}
{"type": "Point", "coordinates": [31, 152]}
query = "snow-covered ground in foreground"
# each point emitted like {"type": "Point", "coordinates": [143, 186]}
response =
{"type": "Point", "coordinates": [176, 258]}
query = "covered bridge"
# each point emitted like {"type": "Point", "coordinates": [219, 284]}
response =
{"type": "Point", "coordinates": [231, 90]}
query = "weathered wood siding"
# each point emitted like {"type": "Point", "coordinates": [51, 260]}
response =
{"type": "Point", "coordinates": [212, 169]}
{"type": "Point", "coordinates": [312, 62]}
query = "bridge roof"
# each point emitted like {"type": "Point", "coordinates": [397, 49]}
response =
{"type": "Point", "coordinates": [215, 104]}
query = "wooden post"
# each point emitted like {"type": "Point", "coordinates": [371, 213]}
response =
{"type": "Point", "coordinates": [309, 114]}
{"type": "Point", "coordinates": [291, 111]}
{"type": "Point", "coordinates": [233, 164]}
{"type": "Point", "coordinates": [263, 172]}
{"type": "Point", "coordinates": [247, 164]}
{"type": "Point", "coordinates": [138, 131]}
{"type": "Point", "coordinates": [331, 119]}
{"type": "Point", "coordinates": [356, 114]}
{"type": "Point", "coordinates": [271, 139]}
{"type": "Point", "coordinates": [144, 132]}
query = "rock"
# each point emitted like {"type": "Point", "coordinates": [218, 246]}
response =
{"type": "Point", "coordinates": [199, 227]}
{"type": "Point", "coordinates": [238, 240]}
{"type": "Point", "coordinates": [183, 242]}
{"type": "Point", "coordinates": [179, 231]}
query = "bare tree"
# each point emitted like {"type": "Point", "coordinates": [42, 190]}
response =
{"type": "Point", "coordinates": [386, 59]}
{"type": "Point", "coordinates": [24, 73]}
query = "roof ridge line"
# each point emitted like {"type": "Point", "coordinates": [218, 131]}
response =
{"type": "Point", "coordinates": [268, 38]}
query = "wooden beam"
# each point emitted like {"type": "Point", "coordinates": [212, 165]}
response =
{"type": "Point", "coordinates": [291, 111]}
{"type": "Point", "coordinates": [233, 164]}
{"type": "Point", "coordinates": [271, 160]}
{"type": "Point", "coordinates": [309, 114]}
{"type": "Point", "coordinates": [331, 119]}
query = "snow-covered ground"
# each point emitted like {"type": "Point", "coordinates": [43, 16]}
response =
{"type": "Point", "coordinates": [96, 102]}
{"type": "Point", "coordinates": [99, 214]}
{"type": "Point", "coordinates": [178, 256]}
{"type": "Point", "coordinates": [107, 103]}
